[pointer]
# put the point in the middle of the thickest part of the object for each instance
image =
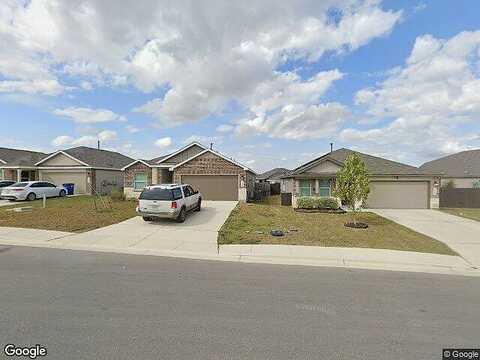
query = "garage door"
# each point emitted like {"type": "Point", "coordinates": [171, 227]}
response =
{"type": "Point", "coordinates": [60, 178]}
{"type": "Point", "coordinates": [214, 187]}
{"type": "Point", "coordinates": [398, 195]}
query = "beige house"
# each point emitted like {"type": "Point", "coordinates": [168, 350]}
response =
{"type": "Point", "coordinates": [90, 170]}
{"type": "Point", "coordinates": [393, 185]}
{"type": "Point", "coordinates": [216, 176]}
{"type": "Point", "coordinates": [463, 169]}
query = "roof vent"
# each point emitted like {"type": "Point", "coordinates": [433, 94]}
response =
{"type": "Point", "coordinates": [331, 147]}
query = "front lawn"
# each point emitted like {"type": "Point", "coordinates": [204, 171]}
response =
{"type": "Point", "coordinates": [71, 214]}
{"type": "Point", "coordinates": [252, 223]}
{"type": "Point", "coordinates": [473, 214]}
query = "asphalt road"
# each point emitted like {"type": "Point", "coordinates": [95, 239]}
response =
{"type": "Point", "coordinates": [84, 305]}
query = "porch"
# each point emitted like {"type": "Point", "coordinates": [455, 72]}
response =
{"type": "Point", "coordinates": [19, 174]}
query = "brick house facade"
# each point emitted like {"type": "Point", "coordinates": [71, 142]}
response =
{"type": "Point", "coordinates": [205, 163]}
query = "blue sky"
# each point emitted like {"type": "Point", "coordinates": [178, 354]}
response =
{"type": "Point", "coordinates": [269, 85]}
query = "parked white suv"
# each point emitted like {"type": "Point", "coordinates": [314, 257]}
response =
{"type": "Point", "coordinates": [31, 190]}
{"type": "Point", "coordinates": [168, 201]}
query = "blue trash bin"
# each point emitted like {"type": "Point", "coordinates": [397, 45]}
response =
{"type": "Point", "coordinates": [70, 188]}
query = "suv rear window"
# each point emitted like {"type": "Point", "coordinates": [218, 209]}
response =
{"type": "Point", "coordinates": [157, 194]}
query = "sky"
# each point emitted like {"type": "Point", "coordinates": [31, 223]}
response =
{"type": "Point", "coordinates": [269, 83]}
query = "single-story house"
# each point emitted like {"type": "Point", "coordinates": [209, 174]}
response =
{"type": "Point", "coordinates": [272, 176]}
{"type": "Point", "coordinates": [216, 176]}
{"type": "Point", "coordinates": [90, 170]}
{"type": "Point", "coordinates": [393, 185]}
{"type": "Point", "coordinates": [463, 169]}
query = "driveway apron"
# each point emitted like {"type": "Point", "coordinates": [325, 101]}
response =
{"type": "Point", "coordinates": [462, 235]}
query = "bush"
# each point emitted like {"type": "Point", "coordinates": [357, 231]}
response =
{"type": "Point", "coordinates": [309, 202]}
{"type": "Point", "coordinates": [117, 195]}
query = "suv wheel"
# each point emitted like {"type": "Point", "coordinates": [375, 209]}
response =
{"type": "Point", "coordinates": [31, 197]}
{"type": "Point", "coordinates": [181, 216]}
{"type": "Point", "coordinates": [63, 193]}
{"type": "Point", "coordinates": [199, 205]}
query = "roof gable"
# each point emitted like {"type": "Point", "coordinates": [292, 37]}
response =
{"type": "Point", "coordinates": [214, 153]}
{"type": "Point", "coordinates": [182, 154]}
{"type": "Point", "coordinates": [61, 158]}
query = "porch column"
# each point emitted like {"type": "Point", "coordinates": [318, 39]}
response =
{"type": "Point", "coordinates": [317, 186]}
{"type": "Point", "coordinates": [297, 187]}
{"type": "Point", "coordinates": [19, 175]}
{"type": "Point", "coordinates": [154, 176]}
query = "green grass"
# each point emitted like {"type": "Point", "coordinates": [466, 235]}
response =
{"type": "Point", "coordinates": [252, 223]}
{"type": "Point", "coordinates": [473, 214]}
{"type": "Point", "coordinates": [72, 214]}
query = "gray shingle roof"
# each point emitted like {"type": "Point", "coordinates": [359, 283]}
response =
{"type": "Point", "coordinates": [273, 174]}
{"type": "Point", "coordinates": [99, 158]}
{"type": "Point", "coordinates": [462, 164]}
{"type": "Point", "coordinates": [15, 157]}
{"type": "Point", "coordinates": [375, 165]}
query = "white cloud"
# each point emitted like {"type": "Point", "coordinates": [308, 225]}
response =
{"type": "Point", "coordinates": [62, 140]}
{"type": "Point", "coordinates": [164, 143]}
{"type": "Point", "coordinates": [298, 122]}
{"type": "Point", "coordinates": [428, 100]}
{"type": "Point", "coordinates": [132, 129]}
{"type": "Point", "coordinates": [224, 128]}
{"type": "Point", "coordinates": [39, 86]}
{"type": "Point", "coordinates": [89, 116]}
{"type": "Point", "coordinates": [206, 140]}
{"type": "Point", "coordinates": [113, 43]}
{"type": "Point", "coordinates": [107, 135]}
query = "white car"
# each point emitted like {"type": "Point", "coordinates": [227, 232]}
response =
{"type": "Point", "coordinates": [31, 190]}
{"type": "Point", "coordinates": [168, 201]}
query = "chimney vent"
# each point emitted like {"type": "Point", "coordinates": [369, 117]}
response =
{"type": "Point", "coordinates": [331, 147]}
{"type": "Point", "coordinates": [98, 144]}
{"type": "Point", "coordinates": [211, 146]}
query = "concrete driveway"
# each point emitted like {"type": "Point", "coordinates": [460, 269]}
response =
{"type": "Point", "coordinates": [462, 235]}
{"type": "Point", "coordinates": [6, 203]}
{"type": "Point", "coordinates": [198, 234]}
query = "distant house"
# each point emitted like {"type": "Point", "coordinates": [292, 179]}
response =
{"type": "Point", "coordinates": [393, 185]}
{"type": "Point", "coordinates": [215, 175]}
{"type": "Point", "coordinates": [463, 169]}
{"type": "Point", "coordinates": [90, 170]}
{"type": "Point", "coordinates": [272, 176]}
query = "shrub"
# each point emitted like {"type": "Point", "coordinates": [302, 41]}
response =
{"type": "Point", "coordinates": [309, 202]}
{"type": "Point", "coordinates": [117, 195]}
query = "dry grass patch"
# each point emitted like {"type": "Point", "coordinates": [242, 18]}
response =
{"type": "Point", "coordinates": [252, 223]}
{"type": "Point", "coordinates": [473, 214]}
{"type": "Point", "coordinates": [72, 214]}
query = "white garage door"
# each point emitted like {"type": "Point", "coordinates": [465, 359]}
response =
{"type": "Point", "coordinates": [60, 178]}
{"type": "Point", "coordinates": [398, 195]}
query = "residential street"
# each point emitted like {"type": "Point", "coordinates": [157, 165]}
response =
{"type": "Point", "coordinates": [82, 305]}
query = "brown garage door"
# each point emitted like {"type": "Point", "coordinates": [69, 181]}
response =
{"type": "Point", "coordinates": [214, 187]}
{"type": "Point", "coordinates": [398, 195]}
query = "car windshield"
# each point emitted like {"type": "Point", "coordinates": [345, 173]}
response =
{"type": "Point", "coordinates": [20, 184]}
{"type": "Point", "coordinates": [156, 194]}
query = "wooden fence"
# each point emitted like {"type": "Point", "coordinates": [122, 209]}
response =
{"type": "Point", "coordinates": [460, 198]}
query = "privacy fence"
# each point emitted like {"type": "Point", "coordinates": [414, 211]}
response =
{"type": "Point", "coordinates": [460, 198]}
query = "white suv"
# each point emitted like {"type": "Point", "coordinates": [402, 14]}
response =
{"type": "Point", "coordinates": [168, 201]}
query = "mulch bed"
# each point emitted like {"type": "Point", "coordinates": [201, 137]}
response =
{"type": "Point", "coordinates": [358, 225]}
{"type": "Point", "coordinates": [329, 211]}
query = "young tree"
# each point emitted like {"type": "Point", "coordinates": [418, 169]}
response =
{"type": "Point", "coordinates": [353, 183]}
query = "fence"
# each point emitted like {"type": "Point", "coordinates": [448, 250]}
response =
{"type": "Point", "coordinates": [262, 190]}
{"type": "Point", "coordinates": [460, 198]}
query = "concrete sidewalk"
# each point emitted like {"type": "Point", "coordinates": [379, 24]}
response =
{"type": "Point", "coordinates": [375, 259]}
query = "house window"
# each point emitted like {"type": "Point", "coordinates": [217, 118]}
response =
{"type": "Point", "coordinates": [305, 188]}
{"type": "Point", "coordinates": [324, 188]}
{"type": "Point", "coordinates": [140, 181]}
{"type": "Point", "coordinates": [2, 174]}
